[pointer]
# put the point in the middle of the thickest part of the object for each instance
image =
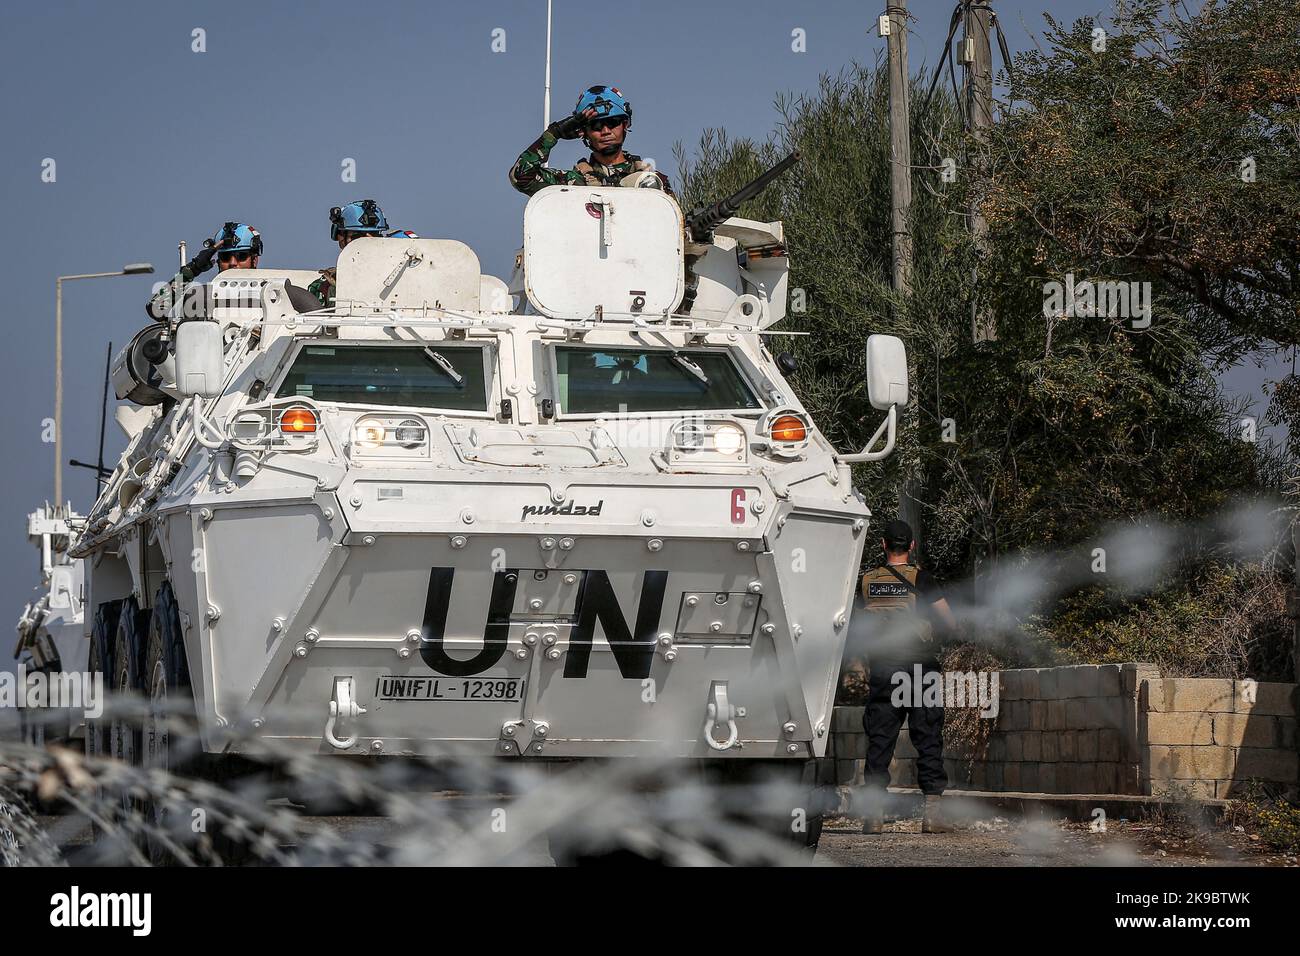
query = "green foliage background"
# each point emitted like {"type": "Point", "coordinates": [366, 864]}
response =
{"type": "Point", "coordinates": [1122, 164]}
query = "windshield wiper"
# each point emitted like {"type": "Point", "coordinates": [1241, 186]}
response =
{"type": "Point", "coordinates": [690, 367]}
{"type": "Point", "coordinates": [444, 366]}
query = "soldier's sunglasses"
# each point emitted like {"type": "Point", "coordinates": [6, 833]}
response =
{"type": "Point", "coordinates": [605, 122]}
{"type": "Point", "coordinates": [242, 256]}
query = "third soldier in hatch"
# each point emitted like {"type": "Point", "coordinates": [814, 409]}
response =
{"type": "Point", "coordinates": [358, 219]}
{"type": "Point", "coordinates": [601, 118]}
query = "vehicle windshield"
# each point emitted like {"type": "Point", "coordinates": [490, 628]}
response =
{"type": "Point", "coordinates": [594, 380]}
{"type": "Point", "coordinates": [431, 376]}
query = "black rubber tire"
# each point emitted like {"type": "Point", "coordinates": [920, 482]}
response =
{"type": "Point", "coordinates": [102, 641]}
{"type": "Point", "coordinates": [125, 730]}
{"type": "Point", "coordinates": [169, 738]}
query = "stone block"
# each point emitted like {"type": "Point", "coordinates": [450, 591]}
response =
{"type": "Point", "coordinates": [1109, 745]}
{"type": "Point", "coordinates": [1050, 745]}
{"type": "Point", "coordinates": [1271, 763]}
{"type": "Point", "coordinates": [1108, 681]}
{"type": "Point", "coordinates": [1086, 744]}
{"type": "Point", "coordinates": [847, 720]}
{"type": "Point", "coordinates": [1080, 680]}
{"type": "Point", "coordinates": [1038, 715]}
{"type": "Point", "coordinates": [1033, 746]}
{"type": "Point", "coordinates": [1275, 699]}
{"type": "Point", "coordinates": [1190, 763]}
{"type": "Point", "coordinates": [1172, 695]}
{"type": "Point", "coordinates": [1181, 728]}
{"type": "Point", "coordinates": [1068, 745]}
{"type": "Point", "coordinates": [1056, 715]}
{"type": "Point", "coordinates": [1076, 715]}
{"type": "Point", "coordinates": [1243, 730]}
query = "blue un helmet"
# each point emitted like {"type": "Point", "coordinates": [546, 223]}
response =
{"type": "Point", "coordinates": [606, 101]}
{"type": "Point", "coordinates": [362, 215]}
{"type": "Point", "coordinates": [235, 237]}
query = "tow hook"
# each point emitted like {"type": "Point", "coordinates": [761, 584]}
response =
{"type": "Point", "coordinates": [343, 706]}
{"type": "Point", "coordinates": [720, 712]}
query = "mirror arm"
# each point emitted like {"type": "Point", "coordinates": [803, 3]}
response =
{"type": "Point", "coordinates": [888, 428]}
{"type": "Point", "coordinates": [200, 422]}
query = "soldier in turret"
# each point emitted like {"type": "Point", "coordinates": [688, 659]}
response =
{"type": "Point", "coordinates": [361, 217]}
{"type": "Point", "coordinates": [237, 245]}
{"type": "Point", "coordinates": [601, 118]}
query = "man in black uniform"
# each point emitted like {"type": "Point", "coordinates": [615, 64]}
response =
{"type": "Point", "coordinates": [904, 604]}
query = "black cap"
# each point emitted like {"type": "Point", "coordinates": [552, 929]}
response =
{"type": "Point", "coordinates": [897, 533]}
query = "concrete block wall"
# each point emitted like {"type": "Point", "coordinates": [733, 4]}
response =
{"type": "Point", "coordinates": [1108, 729]}
{"type": "Point", "coordinates": [1210, 737]}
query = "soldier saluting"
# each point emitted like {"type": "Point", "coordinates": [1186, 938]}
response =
{"type": "Point", "coordinates": [601, 118]}
{"type": "Point", "coordinates": [237, 245]}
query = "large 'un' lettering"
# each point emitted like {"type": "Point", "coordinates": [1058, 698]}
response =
{"type": "Point", "coordinates": [633, 650]}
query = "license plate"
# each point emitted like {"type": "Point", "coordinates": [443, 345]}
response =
{"type": "Point", "coordinates": [450, 688]}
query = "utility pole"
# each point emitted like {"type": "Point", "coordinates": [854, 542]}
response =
{"type": "Point", "coordinates": [900, 146]}
{"type": "Point", "coordinates": [546, 91]}
{"type": "Point", "coordinates": [894, 27]}
{"type": "Point", "coordinates": [977, 58]}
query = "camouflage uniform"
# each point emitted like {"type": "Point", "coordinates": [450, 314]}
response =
{"type": "Point", "coordinates": [530, 172]}
{"type": "Point", "coordinates": [323, 288]}
{"type": "Point", "coordinates": [158, 307]}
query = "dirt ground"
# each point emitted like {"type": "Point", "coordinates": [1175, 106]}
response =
{"type": "Point", "coordinates": [1017, 842]}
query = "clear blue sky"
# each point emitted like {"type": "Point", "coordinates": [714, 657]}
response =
{"type": "Point", "coordinates": [155, 143]}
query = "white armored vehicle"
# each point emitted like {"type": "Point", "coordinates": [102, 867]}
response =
{"type": "Point", "coordinates": [51, 635]}
{"type": "Point", "coordinates": [552, 518]}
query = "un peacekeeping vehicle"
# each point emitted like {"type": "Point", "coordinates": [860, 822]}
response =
{"type": "Point", "coordinates": [51, 651]}
{"type": "Point", "coordinates": [554, 517]}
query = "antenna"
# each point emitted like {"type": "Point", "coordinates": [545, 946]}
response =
{"type": "Point", "coordinates": [546, 101]}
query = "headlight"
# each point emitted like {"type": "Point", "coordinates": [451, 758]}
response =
{"type": "Point", "coordinates": [369, 433]}
{"type": "Point", "coordinates": [728, 440]}
{"type": "Point", "coordinates": [410, 433]}
{"type": "Point", "coordinates": [690, 436]}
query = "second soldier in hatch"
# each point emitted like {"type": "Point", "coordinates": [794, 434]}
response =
{"type": "Point", "coordinates": [237, 245]}
{"type": "Point", "coordinates": [359, 218]}
{"type": "Point", "coordinates": [601, 118]}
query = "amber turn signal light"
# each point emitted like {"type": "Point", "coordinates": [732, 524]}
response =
{"type": "Point", "coordinates": [298, 421]}
{"type": "Point", "coordinates": [789, 428]}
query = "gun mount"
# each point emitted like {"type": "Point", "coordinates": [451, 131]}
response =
{"type": "Point", "coordinates": [704, 219]}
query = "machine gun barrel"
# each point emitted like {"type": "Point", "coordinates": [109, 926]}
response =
{"type": "Point", "coordinates": [704, 219]}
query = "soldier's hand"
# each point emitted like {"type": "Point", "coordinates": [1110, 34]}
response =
{"type": "Point", "coordinates": [572, 126]}
{"type": "Point", "coordinates": [202, 261]}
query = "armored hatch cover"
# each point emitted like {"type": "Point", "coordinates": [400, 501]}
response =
{"type": "Point", "coordinates": [408, 274]}
{"type": "Point", "coordinates": [609, 247]}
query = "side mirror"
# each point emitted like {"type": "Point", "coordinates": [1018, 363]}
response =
{"type": "Point", "coordinates": [887, 390]}
{"type": "Point", "coordinates": [200, 358]}
{"type": "Point", "coordinates": [886, 371]}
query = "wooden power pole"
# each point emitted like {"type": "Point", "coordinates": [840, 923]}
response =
{"type": "Point", "coordinates": [900, 146]}
{"type": "Point", "coordinates": [977, 58]}
{"type": "Point", "coordinates": [894, 26]}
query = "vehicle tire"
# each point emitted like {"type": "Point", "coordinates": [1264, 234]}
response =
{"type": "Point", "coordinates": [755, 786]}
{"type": "Point", "coordinates": [102, 644]}
{"type": "Point", "coordinates": [169, 739]}
{"type": "Point", "coordinates": [125, 727]}
{"type": "Point", "coordinates": [31, 723]}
